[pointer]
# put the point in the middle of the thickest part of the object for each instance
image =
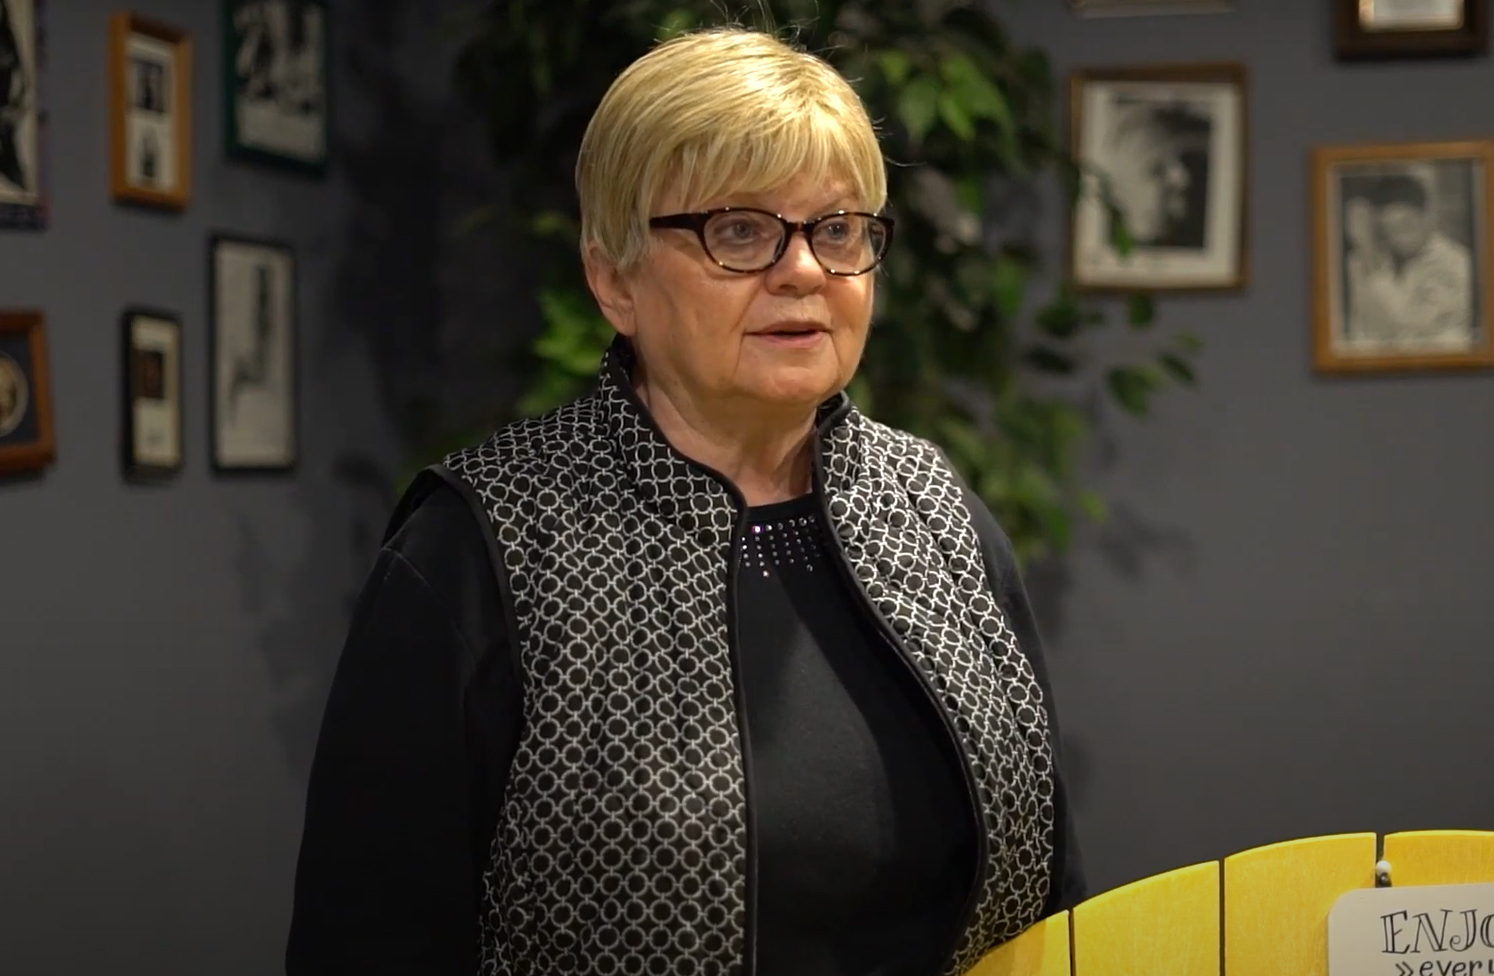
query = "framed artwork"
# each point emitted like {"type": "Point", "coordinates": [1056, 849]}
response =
{"type": "Point", "coordinates": [275, 86]}
{"type": "Point", "coordinates": [1164, 148]}
{"type": "Point", "coordinates": [1402, 260]}
{"type": "Point", "coordinates": [150, 119]}
{"type": "Point", "coordinates": [26, 436]}
{"type": "Point", "coordinates": [153, 393]}
{"type": "Point", "coordinates": [253, 356]}
{"type": "Point", "coordinates": [1410, 28]}
{"type": "Point", "coordinates": [23, 117]}
{"type": "Point", "coordinates": [1127, 8]}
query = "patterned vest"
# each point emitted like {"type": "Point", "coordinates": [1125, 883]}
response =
{"type": "Point", "coordinates": [623, 845]}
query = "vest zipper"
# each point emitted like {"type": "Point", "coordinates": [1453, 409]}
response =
{"type": "Point", "coordinates": [983, 840]}
{"type": "Point", "coordinates": [749, 882]}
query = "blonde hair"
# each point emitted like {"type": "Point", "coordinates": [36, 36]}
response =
{"type": "Point", "coordinates": [716, 111]}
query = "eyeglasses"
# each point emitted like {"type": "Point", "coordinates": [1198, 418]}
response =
{"type": "Point", "coordinates": [746, 240]}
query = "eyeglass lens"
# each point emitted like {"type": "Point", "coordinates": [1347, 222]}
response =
{"type": "Point", "coordinates": [746, 241]}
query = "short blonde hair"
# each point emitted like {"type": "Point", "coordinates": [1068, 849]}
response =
{"type": "Point", "coordinates": [716, 111]}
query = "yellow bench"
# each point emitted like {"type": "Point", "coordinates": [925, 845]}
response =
{"type": "Point", "coordinates": [1262, 912]}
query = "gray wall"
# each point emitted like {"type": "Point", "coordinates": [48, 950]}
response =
{"type": "Point", "coordinates": [1282, 634]}
{"type": "Point", "coordinates": [165, 651]}
{"type": "Point", "coordinates": [1286, 631]}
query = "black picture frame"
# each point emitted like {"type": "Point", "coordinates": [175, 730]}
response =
{"type": "Point", "coordinates": [135, 386]}
{"type": "Point", "coordinates": [33, 212]}
{"type": "Point", "coordinates": [1352, 42]}
{"type": "Point", "coordinates": [224, 458]}
{"type": "Point", "coordinates": [235, 53]}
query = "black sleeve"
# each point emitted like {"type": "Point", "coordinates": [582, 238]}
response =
{"type": "Point", "coordinates": [1069, 885]}
{"type": "Point", "coordinates": [421, 723]}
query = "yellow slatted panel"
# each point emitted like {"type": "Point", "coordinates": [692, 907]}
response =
{"type": "Point", "coordinates": [1165, 925]}
{"type": "Point", "coordinates": [1434, 857]}
{"type": "Point", "coordinates": [1277, 898]}
{"type": "Point", "coordinates": [1043, 950]}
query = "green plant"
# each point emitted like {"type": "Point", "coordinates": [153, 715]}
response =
{"type": "Point", "coordinates": [957, 341]}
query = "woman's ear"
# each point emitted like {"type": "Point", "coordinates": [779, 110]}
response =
{"type": "Point", "coordinates": [612, 289]}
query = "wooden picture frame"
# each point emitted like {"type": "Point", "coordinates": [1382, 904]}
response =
{"type": "Point", "coordinates": [280, 118]}
{"type": "Point", "coordinates": [1167, 145]}
{"type": "Point", "coordinates": [253, 354]}
{"type": "Point", "coordinates": [150, 112]}
{"type": "Point", "coordinates": [27, 437]}
{"type": "Point", "coordinates": [24, 162]}
{"type": "Point", "coordinates": [1402, 257]}
{"type": "Point", "coordinates": [152, 434]}
{"type": "Point", "coordinates": [1453, 28]}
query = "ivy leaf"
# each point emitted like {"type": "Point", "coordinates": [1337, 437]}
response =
{"type": "Point", "coordinates": [1189, 342]}
{"type": "Point", "coordinates": [1009, 286]}
{"type": "Point", "coordinates": [1178, 367]}
{"type": "Point", "coordinates": [917, 105]}
{"type": "Point", "coordinates": [955, 116]}
{"type": "Point", "coordinates": [895, 66]}
{"type": "Point", "coordinates": [1094, 505]}
{"type": "Point", "coordinates": [675, 22]}
{"type": "Point", "coordinates": [1132, 387]}
{"type": "Point", "coordinates": [1140, 310]}
{"type": "Point", "coordinates": [1049, 360]}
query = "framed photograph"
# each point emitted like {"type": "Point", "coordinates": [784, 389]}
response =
{"type": "Point", "coordinates": [26, 437]}
{"type": "Point", "coordinates": [275, 82]}
{"type": "Point", "coordinates": [1163, 148]}
{"type": "Point", "coordinates": [1129, 8]}
{"type": "Point", "coordinates": [153, 393]}
{"type": "Point", "coordinates": [1402, 259]}
{"type": "Point", "coordinates": [23, 117]}
{"type": "Point", "coordinates": [1410, 28]}
{"type": "Point", "coordinates": [253, 354]}
{"type": "Point", "coordinates": [150, 123]}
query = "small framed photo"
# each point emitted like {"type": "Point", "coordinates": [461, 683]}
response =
{"type": "Point", "coordinates": [26, 437]}
{"type": "Point", "coordinates": [1164, 147]}
{"type": "Point", "coordinates": [150, 121]}
{"type": "Point", "coordinates": [1402, 258]}
{"type": "Point", "coordinates": [253, 354]}
{"type": "Point", "coordinates": [1130, 8]}
{"type": "Point", "coordinates": [23, 117]}
{"type": "Point", "coordinates": [276, 82]}
{"type": "Point", "coordinates": [1410, 28]}
{"type": "Point", "coordinates": [153, 394]}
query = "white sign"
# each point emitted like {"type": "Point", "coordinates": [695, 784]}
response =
{"type": "Point", "coordinates": [1437, 930]}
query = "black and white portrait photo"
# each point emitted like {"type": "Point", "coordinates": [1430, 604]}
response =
{"type": "Point", "coordinates": [20, 141]}
{"type": "Point", "coordinates": [277, 76]}
{"type": "Point", "coordinates": [150, 130]}
{"type": "Point", "coordinates": [1168, 154]}
{"type": "Point", "coordinates": [1407, 250]}
{"type": "Point", "coordinates": [150, 144]}
{"type": "Point", "coordinates": [15, 394]}
{"type": "Point", "coordinates": [153, 399]}
{"type": "Point", "coordinates": [254, 354]}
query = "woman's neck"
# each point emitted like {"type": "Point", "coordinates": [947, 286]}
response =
{"type": "Point", "coordinates": [766, 454]}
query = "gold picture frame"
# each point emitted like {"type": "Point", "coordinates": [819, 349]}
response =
{"type": "Point", "coordinates": [150, 112]}
{"type": "Point", "coordinates": [1402, 264]}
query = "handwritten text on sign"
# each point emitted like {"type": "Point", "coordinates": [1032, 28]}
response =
{"type": "Point", "coordinates": [1437, 930]}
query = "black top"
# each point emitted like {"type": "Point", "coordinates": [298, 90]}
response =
{"type": "Point", "coordinates": [865, 840]}
{"type": "Point", "coordinates": [866, 845]}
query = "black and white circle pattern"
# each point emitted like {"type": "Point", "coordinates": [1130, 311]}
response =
{"type": "Point", "coordinates": [622, 844]}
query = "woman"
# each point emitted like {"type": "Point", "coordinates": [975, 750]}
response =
{"type": "Point", "coordinates": [706, 672]}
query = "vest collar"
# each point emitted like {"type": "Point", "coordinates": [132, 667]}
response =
{"type": "Point", "coordinates": [675, 485]}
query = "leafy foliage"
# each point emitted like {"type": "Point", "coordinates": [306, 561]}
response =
{"type": "Point", "coordinates": [956, 341]}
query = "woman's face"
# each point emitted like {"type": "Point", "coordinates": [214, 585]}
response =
{"type": "Point", "coordinates": [707, 335]}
